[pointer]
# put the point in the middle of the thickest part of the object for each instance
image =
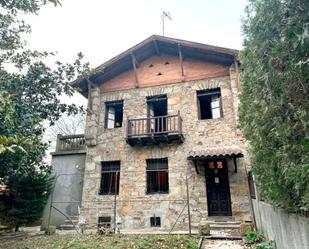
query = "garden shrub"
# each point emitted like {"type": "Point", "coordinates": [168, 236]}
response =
{"type": "Point", "coordinates": [253, 237]}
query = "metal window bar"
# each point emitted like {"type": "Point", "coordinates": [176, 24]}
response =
{"type": "Point", "coordinates": [157, 175]}
{"type": "Point", "coordinates": [110, 178]}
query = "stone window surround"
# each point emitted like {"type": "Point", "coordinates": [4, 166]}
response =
{"type": "Point", "coordinates": [216, 92]}
{"type": "Point", "coordinates": [108, 105]}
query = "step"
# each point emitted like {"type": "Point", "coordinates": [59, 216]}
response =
{"type": "Point", "coordinates": [227, 237]}
{"type": "Point", "coordinates": [224, 222]}
{"type": "Point", "coordinates": [71, 221]}
{"type": "Point", "coordinates": [66, 227]}
{"type": "Point", "coordinates": [224, 226]}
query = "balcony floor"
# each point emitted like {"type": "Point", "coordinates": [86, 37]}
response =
{"type": "Point", "coordinates": [155, 139]}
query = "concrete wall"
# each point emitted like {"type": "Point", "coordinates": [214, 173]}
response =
{"type": "Point", "coordinates": [67, 188]}
{"type": "Point", "coordinates": [288, 230]}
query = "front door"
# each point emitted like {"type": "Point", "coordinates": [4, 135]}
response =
{"type": "Point", "coordinates": [218, 189]}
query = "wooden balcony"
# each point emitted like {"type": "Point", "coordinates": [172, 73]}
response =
{"type": "Point", "coordinates": [155, 130]}
{"type": "Point", "coordinates": [70, 143]}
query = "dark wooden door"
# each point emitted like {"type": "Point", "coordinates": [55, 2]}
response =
{"type": "Point", "coordinates": [218, 189]}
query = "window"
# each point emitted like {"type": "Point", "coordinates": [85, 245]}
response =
{"type": "Point", "coordinates": [157, 175]}
{"type": "Point", "coordinates": [110, 178]}
{"type": "Point", "coordinates": [113, 114]}
{"type": "Point", "coordinates": [104, 221]}
{"type": "Point", "coordinates": [209, 104]}
{"type": "Point", "coordinates": [155, 221]}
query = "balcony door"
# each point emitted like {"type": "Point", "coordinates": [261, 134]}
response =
{"type": "Point", "coordinates": [156, 113]}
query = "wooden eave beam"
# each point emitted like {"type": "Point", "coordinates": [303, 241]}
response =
{"type": "Point", "coordinates": [135, 69]}
{"type": "Point", "coordinates": [89, 86]}
{"type": "Point", "coordinates": [155, 44]}
{"type": "Point", "coordinates": [180, 59]}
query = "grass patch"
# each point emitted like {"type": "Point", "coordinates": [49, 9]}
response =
{"type": "Point", "coordinates": [106, 242]}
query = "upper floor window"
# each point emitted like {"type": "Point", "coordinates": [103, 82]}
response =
{"type": "Point", "coordinates": [209, 104]}
{"type": "Point", "coordinates": [157, 175]}
{"type": "Point", "coordinates": [110, 176]}
{"type": "Point", "coordinates": [113, 114]}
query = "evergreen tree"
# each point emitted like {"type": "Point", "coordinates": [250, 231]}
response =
{"type": "Point", "coordinates": [274, 110]}
{"type": "Point", "coordinates": [30, 96]}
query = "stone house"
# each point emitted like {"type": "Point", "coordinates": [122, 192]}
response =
{"type": "Point", "coordinates": [163, 133]}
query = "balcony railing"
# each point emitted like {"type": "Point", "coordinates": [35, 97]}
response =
{"type": "Point", "coordinates": [163, 129]}
{"type": "Point", "coordinates": [70, 143]}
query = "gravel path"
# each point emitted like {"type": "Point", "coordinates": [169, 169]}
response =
{"type": "Point", "coordinates": [223, 244]}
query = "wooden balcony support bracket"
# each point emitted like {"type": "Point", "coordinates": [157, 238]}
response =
{"type": "Point", "coordinates": [135, 66]}
{"type": "Point", "coordinates": [181, 60]}
{"type": "Point", "coordinates": [235, 164]}
{"type": "Point", "coordinates": [155, 44]}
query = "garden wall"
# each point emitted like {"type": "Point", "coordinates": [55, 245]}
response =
{"type": "Point", "coordinates": [290, 231]}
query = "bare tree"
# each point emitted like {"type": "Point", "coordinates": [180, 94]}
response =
{"type": "Point", "coordinates": [69, 125]}
{"type": "Point", "coordinates": [66, 125]}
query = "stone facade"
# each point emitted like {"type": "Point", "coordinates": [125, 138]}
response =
{"type": "Point", "coordinates": [134, 207]}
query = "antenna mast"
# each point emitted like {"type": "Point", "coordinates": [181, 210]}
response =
{"type": "Point", "coordinates": [163, 16]}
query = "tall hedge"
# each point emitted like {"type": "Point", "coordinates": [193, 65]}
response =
{"type": "Point", "coordinates": [274, 109]}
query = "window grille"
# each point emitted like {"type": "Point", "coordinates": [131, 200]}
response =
{"type": "Point", "coordinates": [110, 176]}
{"type": "Point", "coordinates": [157, 176]}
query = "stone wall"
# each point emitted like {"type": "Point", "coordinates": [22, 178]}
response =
{"type": "Point", "coordinates": [134, 207]}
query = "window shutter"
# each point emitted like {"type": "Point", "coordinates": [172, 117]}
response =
{"type": "Point", "coordinates": [215, 106]}
{"type": "Point", "coordinates": [151, 115]}
{"type": "Point", "coordinates": [111, 117]}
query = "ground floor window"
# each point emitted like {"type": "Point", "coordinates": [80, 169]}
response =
{"type": "Point", "coordinates": [110, 176]}
{"type": "Point", "coordinates": [157, 175]}
{"type": "Point", "coordinates": [155, 221]}
{"type": "Point", "coordinates": [104, 221]}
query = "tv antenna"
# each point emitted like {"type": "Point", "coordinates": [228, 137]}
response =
{"type": "Point", "coordinates": [163, 17]}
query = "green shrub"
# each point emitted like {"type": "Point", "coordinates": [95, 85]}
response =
{"type": "Point", "coordinates": [266, 245]}
{"type": "Point", "coordinates": [253, 237]}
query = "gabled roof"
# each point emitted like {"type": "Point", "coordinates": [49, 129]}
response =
{"type": "Point", "coordinates": [156, 45]}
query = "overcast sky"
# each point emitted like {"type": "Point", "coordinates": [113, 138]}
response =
{"type": "Point", "coordinates": [102, 29]}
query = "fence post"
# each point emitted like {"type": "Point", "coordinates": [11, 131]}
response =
{"type": "Point", "coordinates": [51, 201]}
{"type": "Point", "coordinates": [188, 204]}
{"type": "Point", "coordinates": [115, 201]}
